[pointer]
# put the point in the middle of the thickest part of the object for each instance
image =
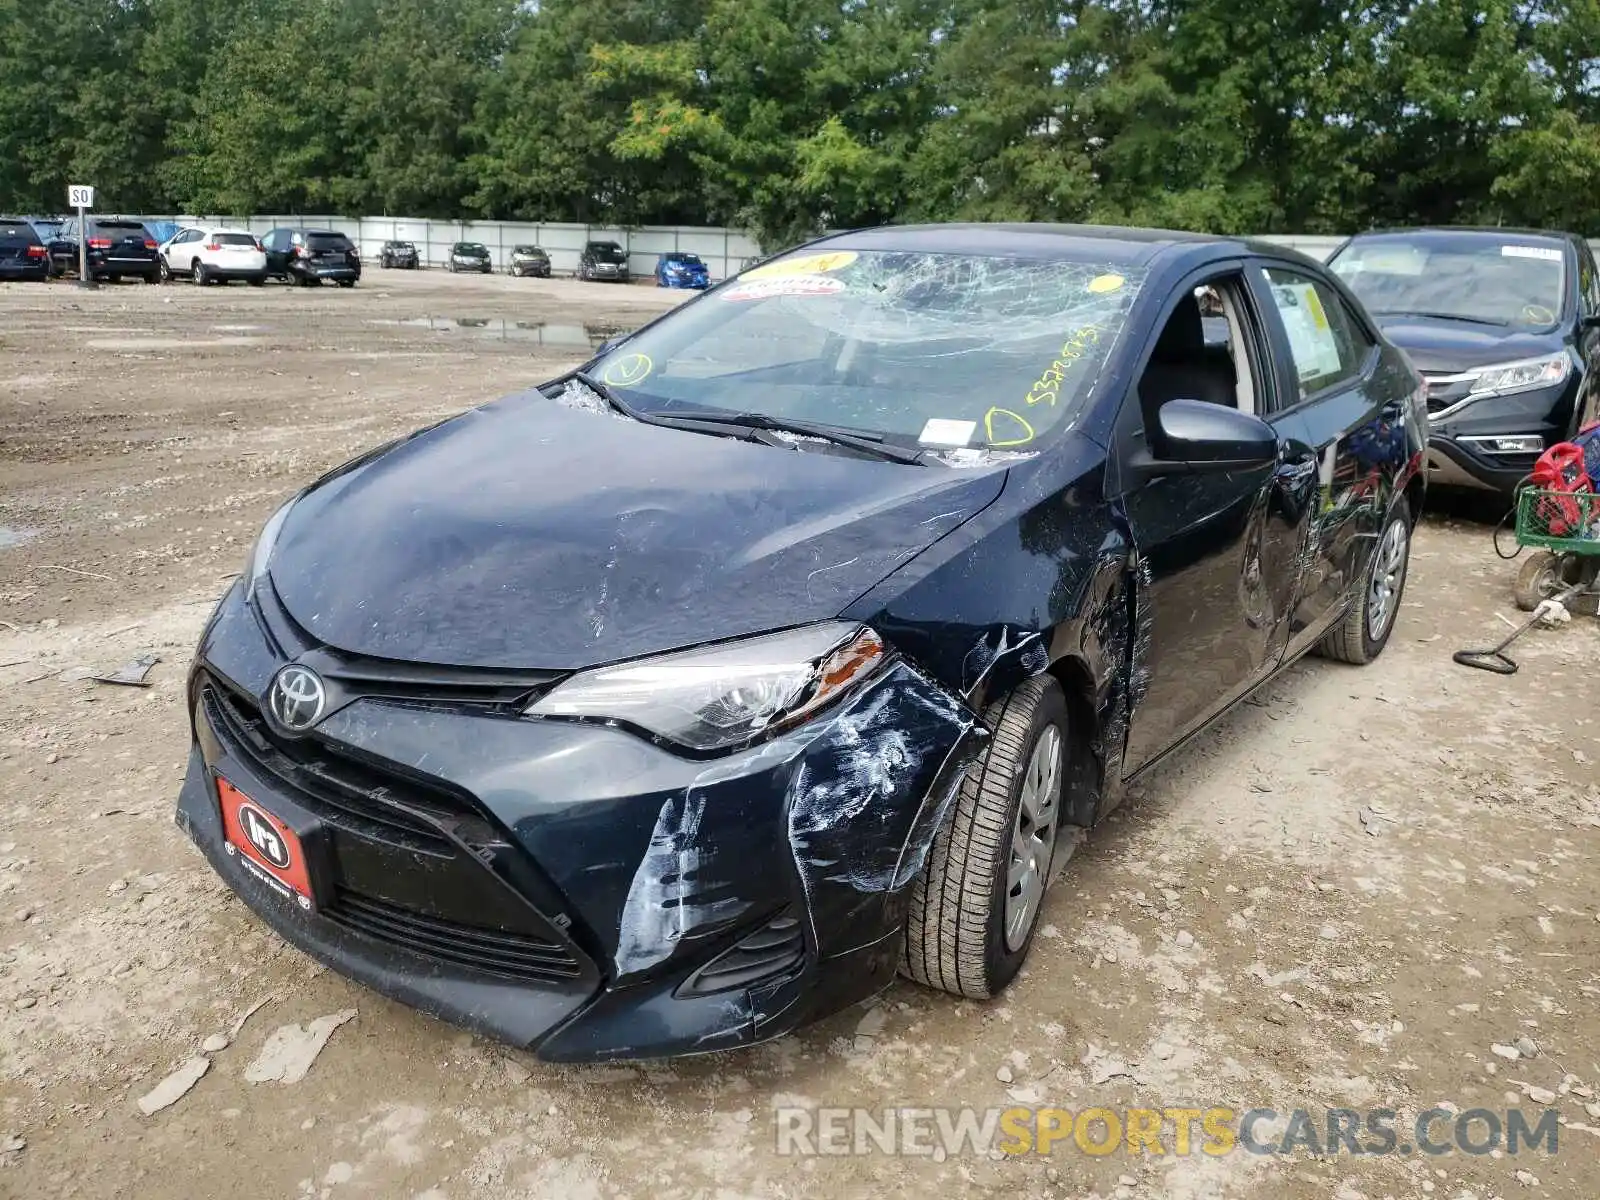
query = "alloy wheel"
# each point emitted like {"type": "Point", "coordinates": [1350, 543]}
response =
{"type": "Point", "coordinates": [1028, 861]}
{"type": "Point", "coordinates": [1388, 575]}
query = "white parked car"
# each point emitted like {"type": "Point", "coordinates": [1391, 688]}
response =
{"type": "Point", "coordinates": [212, 254]}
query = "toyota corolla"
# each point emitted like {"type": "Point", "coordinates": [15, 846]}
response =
{"type": "Point", "coordinates": [793, 639]}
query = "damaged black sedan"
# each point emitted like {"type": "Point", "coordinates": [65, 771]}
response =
{"type": "Point", "coordinates": [792, 640]}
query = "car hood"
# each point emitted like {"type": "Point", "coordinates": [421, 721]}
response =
{"type": "Point", "coordinates": [527, 534]}
{"type": "Point", "coordinates": [1442, 346]}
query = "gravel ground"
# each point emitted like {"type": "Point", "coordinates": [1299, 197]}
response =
{"type": "Point", "coordinates": [1345, 894]}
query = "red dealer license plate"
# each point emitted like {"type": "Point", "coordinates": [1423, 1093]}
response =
{"type": "Point", "coordinates": [266, 846]}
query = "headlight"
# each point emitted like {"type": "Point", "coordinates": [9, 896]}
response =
{"type": "Point", "coordinates": [261, 553]}
{"type": "Point", "coordinates": [720, 696]}
{"type": "Point", "coordinates": [1523, 375]}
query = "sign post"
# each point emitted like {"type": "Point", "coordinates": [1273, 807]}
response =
{"type": "Point", "coordinates": [81, 198]}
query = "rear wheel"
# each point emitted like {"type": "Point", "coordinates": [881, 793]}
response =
{"type": "Point", "coordinates": [153, 277]}
{"type": "Point", "coordinates": [974, 908]}
{"type": "Point", "coordinates": [1363, 633]}
{"type": "Point", "coordinates": [200, 273]}
{"type": "Point", "coordinates": [347, 283]}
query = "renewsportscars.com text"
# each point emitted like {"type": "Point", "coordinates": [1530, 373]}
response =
{"type": "Point", "coordinates": [1161, 1132]}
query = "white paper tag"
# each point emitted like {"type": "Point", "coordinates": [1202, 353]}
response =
{"type": "Point", "coordinates": [940, 432]}
{"type": "Point", "coordinates": [1544, 252]}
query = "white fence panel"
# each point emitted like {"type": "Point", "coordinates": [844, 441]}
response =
{"type": "Point", "coordinates": [724, 250]}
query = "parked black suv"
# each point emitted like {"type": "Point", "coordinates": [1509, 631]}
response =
{"type": "Point", "coordinates": [22, 254]}
{"type": "Point", "coordinates": [603, 260]}
{"type": "Point", "coordinates": [1504, 325]}
{"type": "Point", "coordinates": [529, 260]}
{"type": "Point", "coordinates": [398, 254]}
{"type": "Point", "coordinates": [117, 246]}
{"type": "Point", "coordinates": [309, 256]}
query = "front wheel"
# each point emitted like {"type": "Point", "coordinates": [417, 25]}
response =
{"type": "Point", "coordinates": [1363, 633]}
{"type": "Point", "coordinates": [974, 908]}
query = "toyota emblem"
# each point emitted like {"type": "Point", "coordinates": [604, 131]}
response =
{"type": "Point", "coordinates": [297, 698]}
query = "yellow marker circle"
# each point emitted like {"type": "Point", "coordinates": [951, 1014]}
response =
{"type": "Point", "coordinates": [1022, 426]}
{"type": "Point", "coordinates": [628, 370]}
{"type": "Point", "coordinates": [805, 264]}
{"type": "Point", "coordinates": [1101, 284]}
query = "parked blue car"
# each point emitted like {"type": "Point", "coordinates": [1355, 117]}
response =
{"type": "Point", "coordinates": [680, 270]}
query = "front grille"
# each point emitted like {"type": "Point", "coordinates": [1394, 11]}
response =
{"type": "Point", "coordinates": [497, 952]}
{"type": "Point", "coordinates": [334, 785]}
{"type": "Point", "coordinates": [773, 950]}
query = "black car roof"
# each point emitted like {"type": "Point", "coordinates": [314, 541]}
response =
{"type": "Point", "coordinates": [1095, 243]}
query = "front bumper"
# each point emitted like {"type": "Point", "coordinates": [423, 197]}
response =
{"type": "Point", "coordinates": [690, 282]}
{"type": "Point", "coordinates": [538, 269]}
{"type": "Point", "coordinates": [1461, 450]}
{"type": "Point", "coordinates": [644, 876]}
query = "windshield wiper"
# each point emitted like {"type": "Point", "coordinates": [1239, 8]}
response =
{"type": "Point", "coordinates": [867, 443]}
{"type": "Point", "coordinates": [693, 424]}
{"type": "Point", "coordinates": [1437, 316]}
{"type": "Point", "coordinates": [752, 423]}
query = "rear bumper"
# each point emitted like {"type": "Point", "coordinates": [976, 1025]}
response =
{"type": "Point", "coordinates": [25, 268]}
{"type": "Point", "coordinates": [302, 271]}
{"type": "Point", "coordinates": [644, 868]}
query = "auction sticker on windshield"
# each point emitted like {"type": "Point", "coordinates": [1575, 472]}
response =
{"type": "Point", "coordinates": [798, 285]}
{"type": "Point", "coordinates": [805, 264]}
{"type": "Point", "coordinates": [1547, 253]}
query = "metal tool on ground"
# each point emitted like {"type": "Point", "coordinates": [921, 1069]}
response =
{"type": "Point", "coordinates": [1495, 658]}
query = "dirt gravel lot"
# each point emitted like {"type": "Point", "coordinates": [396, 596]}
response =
{"type": "Point", "coordinates": [1239, 936]}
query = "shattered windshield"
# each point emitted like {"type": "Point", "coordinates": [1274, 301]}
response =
{"type": "Point", "coordinates": [927, 349]}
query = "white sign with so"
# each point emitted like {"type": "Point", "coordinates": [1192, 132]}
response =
{"type": "Point", "coordinates": [79, 196]}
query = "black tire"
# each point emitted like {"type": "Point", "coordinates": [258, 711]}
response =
{"type": "Point", "coordinates": [956, 937]}
{"type": "Point", "coordinates": [1352, 640]}
{"type": "Point", "coordinates": [347, 283]}
{"type": "Point", "coordinates": [163, 270]}
{"type": "Point", "coordinates": [153, 277]}
{"type": "Point", "coordinates": [258, 281]}
{"type": "Point", "coordinates": [199, 273]}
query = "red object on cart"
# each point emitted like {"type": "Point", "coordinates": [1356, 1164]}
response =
{"type": "Point", "coordinates": [1561, 474]}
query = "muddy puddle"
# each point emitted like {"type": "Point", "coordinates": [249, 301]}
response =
{"type": "Point", "coordinates": [539, 333]}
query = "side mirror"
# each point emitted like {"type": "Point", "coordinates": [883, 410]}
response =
{"type": "Point", "coordinates": [1210, 437]}
{"type": "Point", "coordinates": [1193, 437]}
